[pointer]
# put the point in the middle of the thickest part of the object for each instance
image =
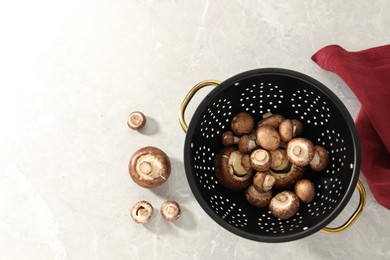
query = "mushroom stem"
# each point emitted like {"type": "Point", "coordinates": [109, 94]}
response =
{"type": "Point", "coordinates": [145, 168]}
{"type": "Point", "coordinates": [297, 150]}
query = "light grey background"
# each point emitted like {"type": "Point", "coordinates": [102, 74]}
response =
{"type": "Point", "coordinates": [71, 72]}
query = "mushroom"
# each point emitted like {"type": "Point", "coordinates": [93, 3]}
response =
{"type": "Point", "coordinates": [263, 181]}
{"type": "Point", "coordinates": [289, 128]}
{"type": "Point", "coordinates": [229, 170]}
{"type": "Point", "coordinates": [247, 143]}
{"type": "Point", "coordinates": [149, 167]}
{"type": "Point", "coordinates": [320, 159]}
{"type": "Point", "coordinates": [284, 205]}
{"type": "Point", "coordinates": [305, 190]}
{"type": "Point", "coordinates": [141, 212]}
{"type": "Point", "coordinates": [170, 210]}
{"type": "Point", "coordinates": [136, 120]}
{"type": "Point", "coordinates": [287, 179]}
{"type": "Point", "coordinates": [271, 120]}
{"type": "Point", "coordinates": [256, 198]}
{"type": "Point", "coordinates": [242, 123]}
{"type": "Point", "coordinates": [228, 138]}
{"type": "Point", "coordinates": [260, 160]}
{"type": "Point", "coordinates": [300, 151]}
{"type": "Point", "coordinates": [267, 137]}
{"type": "Point", "coordinates": [246, 162]}
{"type": "Point", "coordinates": [279, 160]}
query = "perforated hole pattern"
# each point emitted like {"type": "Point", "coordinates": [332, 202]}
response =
{"type": "Point", "coordinates": [324, 125]}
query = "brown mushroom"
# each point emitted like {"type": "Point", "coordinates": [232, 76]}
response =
{"type": "Point", "coordinates": [305, 190]}
{"type": "Point", "coordinates": [141, 212]}
{"type": "Point", "coordinates": [256, 198]}
{"type": "Point", "coordinates": [320, 159]}
{"type": "Point", "coordinates": [297, 127]}
{"type": "Point", "coordinates": [284, 205]}
{"type": "Point", "coordinates": [228, 138]}
{"type": "Point", "coordinates": [170, 210]}
{"type": "Point", "coordinates": [279, 161]}
{"type": "Point", "coordinates": [287, 179]}
{"type": "Point", "coordinates": [300, 151]}
{"type": "Point", "coordinates": [242, 123]}
{"type": "Point", "coordinates": [271, 120]}
{"type": "Point", "coordinates": [247, 144]}
{"type": "Point", "coordinates": [149, 167]}
{"type": "Point", "coordinates": [246, 162]}
{"type": "Point", "coordinates": [263, 181]}
{"type": "Point", "coordinates": [229, 170]}
{"type": "Point", "coordinates": [260, 160]}
{"type": "Point", "coordinates": [267, 137]}
{"type": "Point", "coordinates": [290, 128]}
{"type": "Point", "coordinates": [136, 120]}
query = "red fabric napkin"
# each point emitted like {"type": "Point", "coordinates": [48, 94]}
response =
{"type": "Point", "coordinates": [367, 73]}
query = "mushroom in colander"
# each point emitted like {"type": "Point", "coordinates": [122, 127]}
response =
{"type": "Point", "coordinates": [230, 171]}
{"type": "Point", "coordinates": [300, 151]}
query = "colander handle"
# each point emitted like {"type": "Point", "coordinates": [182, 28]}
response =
{"type": "Point", "coordinates": [352, 219]}
{"type": "Point", "coordinates": [188, 98]}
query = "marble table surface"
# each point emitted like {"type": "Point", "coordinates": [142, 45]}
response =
{"type": "Point", "coordinates": [71, 72]}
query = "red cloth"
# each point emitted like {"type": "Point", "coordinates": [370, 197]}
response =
{"type": "Point", "coordinates": [367, 73]}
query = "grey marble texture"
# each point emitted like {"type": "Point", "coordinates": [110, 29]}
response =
{"type": "Point", "coordinates": [72, 71]}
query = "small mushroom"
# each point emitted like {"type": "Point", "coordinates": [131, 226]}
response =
{"type": "Point", "coordinates": [141, 212]}
{"type": "Point", "coordinates": [300, 151]}
{"type": "Point", "coordinates": [149, 167]}
{"type": "Point", "coordinates": [230, 171]}
{"type": "Point", "coordinates": [136, 120]}
{"type": "Point", "coordinates": [247, 144]}
{"type": "Point", "coordinates": [242, 123]}
{"type": "Point", "coordinates": [271, 120]}
{"type": "Point", "coordinates": [267, 137]}
{"type": "Point", "coordinates": [279, 161]}
{"type": "Point", "coordinates": [305, 190]}
{"type": "Point", "coordinates": [256, 198]}
{"type": "Point", "coordinates": [260, 160]}
{"type": "Point", "coordinates": [320, 159]}
{"type": "Point", "coordinates": [170, 210]}
{"type": "Point", "coordinates": [284, 205]}
{"type": "Point", "coordinates": [228, 138]}
{"type": "Point", "coordinates": [263, 181]}
{"type": "Point", "coordinates": [290, 128]}
{"type": "Point", "coordinates": [297, 127]}
{"type": "Point", "coordinates": [287, 179]}
{"type": "Point", "coordinates": [246, 162]}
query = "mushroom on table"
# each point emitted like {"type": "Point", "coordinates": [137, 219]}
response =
{"type": "Point", "coordinates": [136, 120]}
{"type": "Point", "coordinates": [170, 210]}
{"type": "Point", "coordinates": [141, 212]}
{"type": "Point", "coordinates": [149, 167]}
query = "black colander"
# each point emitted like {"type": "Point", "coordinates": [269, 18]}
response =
{"type": "Point", "coordinates": [294, 95]}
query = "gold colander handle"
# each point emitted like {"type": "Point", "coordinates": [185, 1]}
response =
{"type": "Point", "coordinates": [355, 215]}
{"type": "Point", "coordinates": [188, 98]}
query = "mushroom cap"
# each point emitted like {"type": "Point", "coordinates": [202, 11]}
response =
{"type": "Point", "coordinates": [170, 210]}
{"type": "Point", "coordinates": [286, 130]}
{"type": "Point", "coordinates": [229, 170]}
{"type": "Point", "coordinates": [260, 160]}
{"type": "Point", "coordinates": [228, 138]}
{"type": "Point", "coordinates": [242, 123]}
{"type": "Point", "coordinates": [246, 144]}
{"type": "Point", "coordinates": [149, 167]}
{"type": "Point", "coordinates": [279, 160]}
{"type": "Point", "coordinates": [305, 190]}
{"type": "Point", "coordinates": [271, 120]}
{"type": "Point", "coordinates": [263, 181]}
{"type": "Point", "coordinates": [320, 159]}
{"type": "Point", "coordinates": [284, 205]}
{"type": "Point", "coordinates": [256, 198]}
{"type": "Point", "coordinates": [267, 137]}
{"type": "Point", "coordinates": [136, 120]}
{"type": "Point", "coordinates": [287, 179]}
{"type": "Point", "coordinates": [141, 212]}
{"type": "Point", "coordinates": [300, 151]}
